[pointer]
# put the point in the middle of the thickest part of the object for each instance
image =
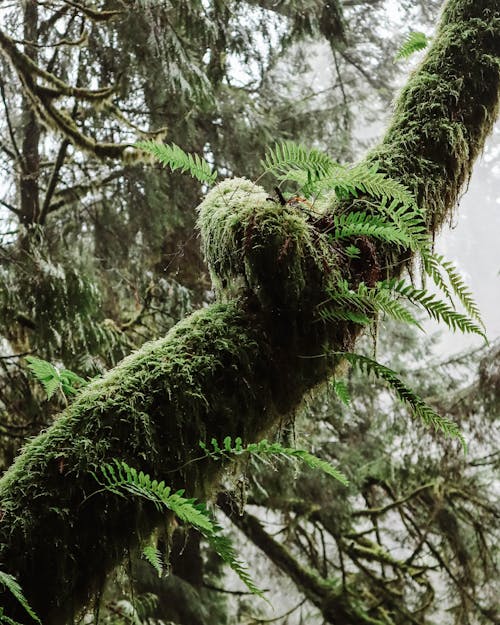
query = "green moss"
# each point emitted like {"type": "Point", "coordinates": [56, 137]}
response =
{"type": "Point", "coordinates": [235, 368]}
{"type": "Point", "coordinates": [446, 110]}
{"type": "Point", "coordinates": [253, 244]}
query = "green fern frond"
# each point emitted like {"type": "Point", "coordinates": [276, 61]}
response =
{"type": "Point", "coordinates": [53, 379]}
{"type": "Point", "coordinates": [432, 265]}
{"type": "Point", "coordinates": [45, 373]}
{"type": "Point", "coordinates": [420, 409]}
{"type": "Point", "coordinates": [365, 178]}
{"type": "Point", "coordinates": [174, 157]}
{"type": "Point", "coordinates": [339, 314]}
{"type": "Point", "coordinates": [435, 308]}
{"type": "Point", "coordinates": [226, 551]}
{"type": "Point", "coordinates": [291, 161]}
{"type": "Point", "coordinates": [363, 224]}
{"type": "Point", "coordinates": [409, 221]}
{"type": "Point", "coordinates": [12, 585]}
{"type": "Point", "coordinates": [365, 302]}
{"type": "Point", "coordinates": [121, 479]}
{"type": "Point", "coordinates": [152, 555]}
{"type": "Point", "coordinates": [414, 42]}
{"type": "Point", "coordinates": [265, 448]}
{"type": "Point", "coordinates": [340, 389]}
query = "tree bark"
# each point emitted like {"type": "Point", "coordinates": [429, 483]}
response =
{"type": "Point", "coordinates": [28, 185]}
{"type": "Point", "coordinates": [238, 368]}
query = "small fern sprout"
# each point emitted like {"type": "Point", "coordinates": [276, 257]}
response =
{"type": "Point", "coordinates": [54, 379]}
{"type": "Point", "coordinates": [414, 42]}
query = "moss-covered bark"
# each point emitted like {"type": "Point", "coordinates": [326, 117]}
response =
{"type": "Point", "coordinates": [238, 367]}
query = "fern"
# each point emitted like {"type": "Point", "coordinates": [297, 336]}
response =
{"type": "Point", "coordinates": [291, 161]}
{"type": "Point", "coordinates": [408, 220]}
{"type": "Point", "coordinates": [226, 551]}
{"type": "Point", "coordinates": [363, 224]}
{"type": "Point", "coordinates": [11, 584]}
{"type": "Point", "coordinates": [435, 308]}
{"type": "Point", "coordinates": [414, 42]}
{"type": "Point", "coordinates": [432, 265]}
{"type": "Point", "coordinates": [362, 305]}
{"type": "Point", "coordinates": [152, 555]}
{"type": "Point", "coordinates": [53, 379]}
{"type": "Point", "coordinates": [174, 157]}
{"type": "Point", "coordinates": [364, 178]}
{"type": "Point", "coordinates": [121, 479]}
{"type": "Point", "coordinates": [265, 448]}
{"type": "Point", "coordinates": [340, 389]}
{"type": "Point", "coordinates": [420, 409]}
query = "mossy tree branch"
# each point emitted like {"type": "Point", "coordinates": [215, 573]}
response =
{"type": "Point", "coordinates": [238, 367]}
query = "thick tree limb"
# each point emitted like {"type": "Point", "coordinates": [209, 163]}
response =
{"type": "Point", "coordinates": [235, 368]}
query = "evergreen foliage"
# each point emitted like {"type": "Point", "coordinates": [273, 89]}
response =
{"type": "Point", "coordinates": [153, 555]}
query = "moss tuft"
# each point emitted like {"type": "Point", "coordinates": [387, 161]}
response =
{"type": "Point", "coordinates": [255, 245]}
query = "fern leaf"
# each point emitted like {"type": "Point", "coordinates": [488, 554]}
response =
{"type": "Point", "coordinates": [420, 409]}
{"type": "Point", "coordinates": [363, 224]}
{"type": "Point", "coordinates": [435, 308]}
{"type": "Point", "coordinates": [340, 389]}
{"type": "Point", "coordinates": [286, 160]}
{"type": "Point", "coordinates": [226, 551]}
{"type": "Point", "coordinates": [120, 478]}
{"type": "Point", "coordinates": [364, 178]}
{"type": "Point", "coordinates": [152, 555]}
{"type": "Point", "coordinates": [174, 157]}
{"type": "Point", "coordinates": [414, 42]}
{"type": "Point", "coordinates": [11, 584]}
{"type": "Point", "coordinates": [365, 302]}
{"type": "Point", "coordinates": [45, 373]}
{"type": "Point", "coordinates": [408, 220]}
{"type": "Point", "coordinates": [264, 447]}
{"type": "Point", "coordinates": [460, 289]}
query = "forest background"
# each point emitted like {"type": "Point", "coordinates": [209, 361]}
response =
{"type": "Point", "coordinates": [99, 253]}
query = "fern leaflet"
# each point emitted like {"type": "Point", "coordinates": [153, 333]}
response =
{"type": "Point", "coordinates": [363, 224]}
{"type": "Point", "coordinates": [414, 42]}
{"type": "Point", "coordinates": [288, 159]}
{"type": "Point", "coordinates": [435, 308]}
{"type": "Point", "coordinates": [265, 448]}
{"type": "Point", "coordinates": [364, 303]}
{"type": "Point", "coordinates": [152, 555]}
{"type": "Point", "coordinates": [53, 379]}
{"type": "Point", "coordinates": [420, 409]}
{"type": "Point", "coordinates": [340, 389]}
{"type": "Point", "coordinates": [432, 265]}
{"type": "Point", "coordinates": [12, 585]}
{"type": "Point", "coordinates": [364, 178]}
{"type": "Point", "coordinates": [120, 478]}
{"type": "Point", "coordinates": [174, 157]}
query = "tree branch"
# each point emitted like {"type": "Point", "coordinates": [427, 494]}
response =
{"type": "Point", "coordinates": [236, 368]}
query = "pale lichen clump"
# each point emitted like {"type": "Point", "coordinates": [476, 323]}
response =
{"type": "Point", "coordinates": [255, 245]}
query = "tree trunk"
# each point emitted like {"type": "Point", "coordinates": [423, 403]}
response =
{"type": "Point", "coordinates": [28, 184]}
{"type": "Point", "coordinates": [237, 368]}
